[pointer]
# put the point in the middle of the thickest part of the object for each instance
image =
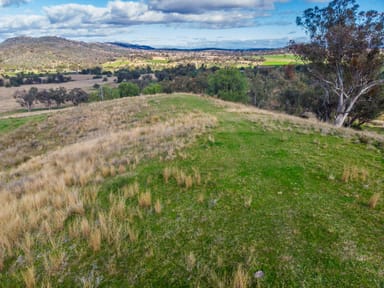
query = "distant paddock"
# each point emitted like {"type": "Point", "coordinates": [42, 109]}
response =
{"type": "Point", "coordinates": [7, 103]}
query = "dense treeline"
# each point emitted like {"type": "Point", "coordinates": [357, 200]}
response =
{"type": "Point", "coordinates": [31, 79]}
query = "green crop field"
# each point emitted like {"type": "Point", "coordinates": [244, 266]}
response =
{"type": "Point", "coordinates": [188, 191]}
{"type": "Point", "coordinates": [280, 60]}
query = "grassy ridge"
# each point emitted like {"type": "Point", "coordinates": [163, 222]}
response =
{"type": "Point", "coordinates": [257, 191]}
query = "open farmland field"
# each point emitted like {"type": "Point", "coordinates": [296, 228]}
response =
{"type": "Point", "coordinates": [187, 191]}
{"type": "Point", "coordinates": [280, 60]}
{"type": "Point", "coordinates": [8, 103]}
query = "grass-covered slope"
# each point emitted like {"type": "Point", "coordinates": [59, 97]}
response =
{"type": "Point", "coordinates": [184, 191]}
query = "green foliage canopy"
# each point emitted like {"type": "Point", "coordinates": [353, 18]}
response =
{"type": "Point", "coordinates": [128, 89]}
{"type": "Point", "coordinates": [229, 84]}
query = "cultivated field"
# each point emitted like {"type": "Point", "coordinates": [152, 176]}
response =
{"type": "Point", "coordinates": [188, 191]}
{"type": "Point", "coordinates": [8, 103]}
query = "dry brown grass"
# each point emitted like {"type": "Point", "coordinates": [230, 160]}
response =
{"type": "Point", "coordinates": [374, 200]}
{"type": "Point", "coordinates": [29, 277]}
{"type": "Point", "coordinates": [240, 279]}
{"type": "Point", "coordinates": [53, 262]}
{"type": "Point", "coordinates": [95, 239]}
{"type": "Point", "coordinates": [183, 179]}
{"type": "Point", "coordinates": [354, 173]}
{"type": "Point", "coordinates": [130, 191]}
{"type": "Point", "coordinates": [43, 191]}
{"type": "Point", "coordinates": [158, 207]}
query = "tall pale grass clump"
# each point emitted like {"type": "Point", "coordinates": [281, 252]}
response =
{"type": "Point", "coordinates": [53, 262]}
{"type": "Point", "coordinates": [145, 200]}
{"type": "Point", "coordinates": [131, 190]}
{"type": "Point", "coordinates": [374, 200]}
{"type": "Point", "coordinates": [158, 206]}
{"type": "Point", "coordinates": [182, 178]}
{"type": "Point", "coordinates": [240, 279]}
{"type": "Point", "coordinates": [29, 277]}
{"type": "Point", "coordinates": [95, 239]}
{"type": "Point", "coordinates": [354, 173]}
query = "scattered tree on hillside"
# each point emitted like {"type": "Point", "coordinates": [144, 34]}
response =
{"type": "Point", "coordinates": [26, 99]}
{"type": "Point", "coordinates": [344, 52]}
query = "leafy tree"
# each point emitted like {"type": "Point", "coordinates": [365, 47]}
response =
{"type": "Point", "coordinates": [344, 52]}
{"type": "Point", "coordinates": [229, 84]}
{"type": "Point", "coordinates": [77, 96]}
{"type": "Point", "coordinates": [129, 89]}
{"type": "Point", "coordinates": [45, 97]}
{"type": "Point", "coordinates": [26, 99]}
{"type": "Point", "coordinates": [153, 88]}
{"type": "Point", "coordinates": [58, 95]}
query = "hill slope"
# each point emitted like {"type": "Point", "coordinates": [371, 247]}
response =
{"type": "Point", "coordinates": [27, 53]}
{"type": "Point", "coordinates": [185, 191]}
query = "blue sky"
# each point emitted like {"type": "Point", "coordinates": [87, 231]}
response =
{"type": "Point", "coordinates": [163, 23]}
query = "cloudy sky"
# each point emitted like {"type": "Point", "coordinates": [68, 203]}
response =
{"type": "Point", "coordinates": [163, 23]}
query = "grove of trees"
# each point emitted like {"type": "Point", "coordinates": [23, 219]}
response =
{"type": "Point", "coordinates": [58, 96]}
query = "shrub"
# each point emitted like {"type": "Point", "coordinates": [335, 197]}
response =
{"type": "Point", "coordinates": [153, 88]}
{"type": "Point", "coordinates": [128, 89]}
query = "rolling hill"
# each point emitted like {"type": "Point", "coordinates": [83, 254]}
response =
{"type": "Point", "coordinates": [54, 53]}
{"type": "Point", "coordinates": [188, 191]}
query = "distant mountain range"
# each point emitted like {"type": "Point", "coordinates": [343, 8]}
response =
{"type": "Point", "coordinates": [144, 47]}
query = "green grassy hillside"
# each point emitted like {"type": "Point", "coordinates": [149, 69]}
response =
{"type": "Point", "coordinates": [186, 191]}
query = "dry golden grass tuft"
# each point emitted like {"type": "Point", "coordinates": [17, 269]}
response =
{"type": "Point", "coordinates": [53, 262]}
{"type": "Point", "coordinates": [374, 200]}
{"type": "Point", "coordinates": [132, 234]}
{"type": "Point", "coordinates": [29, 277]}
{"type": "Point", "coordinates": [200, 198]}
{"type": "Point", "coordinates": [354, 173]}
{"type": "Point", "coordinates": [145, 200]}
{"type": "Point", "coordinates": [240, 279]}
{"type": "Point", "coordinates": [182, 178]}
{"type": "Point", "coordinates": [130, 191]}
{"type": "Point", "coordinates": [158, 207]}
{"type": "Point", "coordinates": [85, 228]}
{"type": "Point", "coordinates": [190, 261]}
{"type": "Point", "coordinates": [95, 239]}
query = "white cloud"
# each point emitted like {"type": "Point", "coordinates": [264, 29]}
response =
{"type": "Point", "coordinates": [5, 3]}
{"type": "Point", "coordinates": [131, 13]}
{"type": "Point", "coordinates": [21, 23]}
{"type": "Point", "coordinates": [75, 14]}
{"type": "Point", "coordinates": [199, 6]}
